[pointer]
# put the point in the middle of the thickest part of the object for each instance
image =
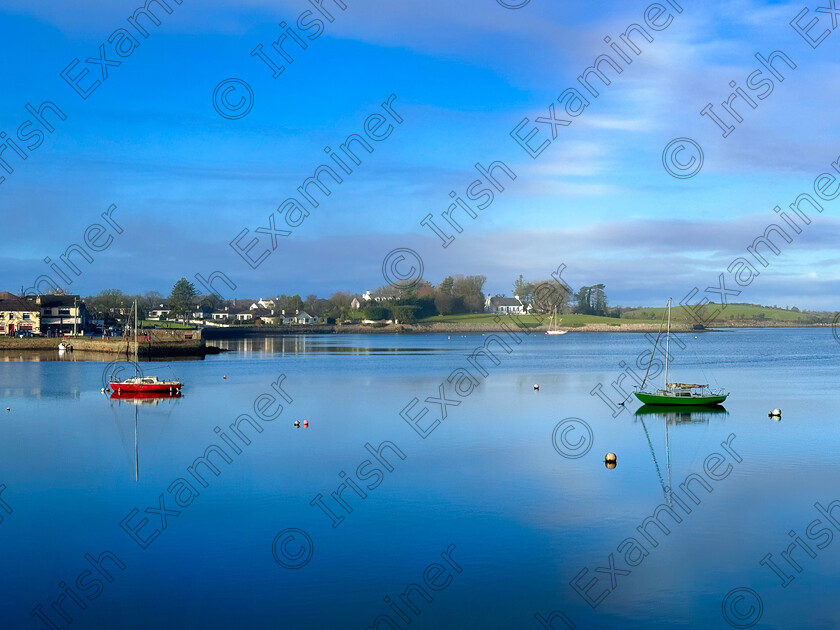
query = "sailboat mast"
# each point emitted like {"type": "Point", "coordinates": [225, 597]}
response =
{"type": "Point", "coordinates": [136, 340]}
{"type": "Point", "coordinates": [667, 343]}
{"type": "Point", "coordinates": [136, 448]}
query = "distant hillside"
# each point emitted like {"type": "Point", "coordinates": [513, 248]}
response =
{"type": "Point", "coordinates": [734, 314]}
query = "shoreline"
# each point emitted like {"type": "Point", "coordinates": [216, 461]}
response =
{"type": "Point", "coordinates": [450, 328]}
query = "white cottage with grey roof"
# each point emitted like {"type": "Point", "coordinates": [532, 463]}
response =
{"type": "Point", "coordinates": [504, 305]}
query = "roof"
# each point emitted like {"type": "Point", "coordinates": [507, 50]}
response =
{"type": "Point", "coordinates": [17, 304]}
{"type": "Point", "coordinates": [300, 314]}
{"type": "Point", "coordinates": [59, 300]}
{"type": "Point", "coordinates": [505, 301]}
{"type": "Point", "coordinates": [5, 295]}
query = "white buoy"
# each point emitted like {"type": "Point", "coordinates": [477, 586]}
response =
{"type": "Point", "coordinates": [536, 387]}
{"type": "Point", "coordinates": [776, 413]}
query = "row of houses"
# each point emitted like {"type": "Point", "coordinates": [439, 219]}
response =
{"type": "Point", "coordinates": [61, 314]}
{"type": "Point", "coordinates": [263, 310]}
{"type": "Point", "coordinates": [42, 314]}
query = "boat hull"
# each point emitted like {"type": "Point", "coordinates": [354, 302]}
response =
{"type": "Point", "coordinates": [132, 388]}
{"type": "Point", "coordinates": [556, 332]}
{"type": "Point", "coordinates": [693, 401]}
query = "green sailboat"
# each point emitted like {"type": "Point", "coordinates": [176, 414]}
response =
{"type": "Point", "coordinates": [682, 394]}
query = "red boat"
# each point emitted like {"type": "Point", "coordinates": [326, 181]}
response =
{"type": "Point", "coordinates": [137, 386]}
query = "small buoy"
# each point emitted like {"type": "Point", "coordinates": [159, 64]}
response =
{"type": "Point", "coordinates": [297, 424]}
{"type": "Point", "coordinates": [536, 387]}
{"type": "Point", "coordinates": [306, 423]}
{"type": "Point", "coordinates": [776, 413]}
{"type": "Point", "coordinates": [8, 408]}
{"type": "Point", "coordinates": [610, 460]}
{"type": "Point", "coordinates": [224, 377]}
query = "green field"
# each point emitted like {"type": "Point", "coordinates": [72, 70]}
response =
{"type": "Point", "coordinates": [529, 321]}
{"type": "Point", "coordinates": [731, 313]}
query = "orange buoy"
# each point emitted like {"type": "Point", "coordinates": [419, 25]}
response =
{"type": "Point", "coordinates": [306, 423]}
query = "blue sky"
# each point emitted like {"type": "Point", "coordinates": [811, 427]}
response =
{"type": "Point", "coordinates": [186, 181]}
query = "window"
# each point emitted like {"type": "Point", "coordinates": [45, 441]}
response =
{"type": "Point", "coordinates": [64, 311]}
{"type": "Point", "coordinates": [26, 316]}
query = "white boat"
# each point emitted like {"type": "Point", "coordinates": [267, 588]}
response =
{"type": "Point", "coordinates": [64, 346]}
{"type": "Point", "coordinates": [552, 326]}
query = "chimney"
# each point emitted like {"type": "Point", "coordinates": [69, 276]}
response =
{"type": "Point", "coordinates": [297, 312]}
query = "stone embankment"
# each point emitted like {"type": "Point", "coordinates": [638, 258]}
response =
{"type": "Point", "coordinates": [157, 343]}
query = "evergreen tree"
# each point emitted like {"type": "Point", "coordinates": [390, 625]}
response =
{"type": "Point", "coordinates": [181, 300]}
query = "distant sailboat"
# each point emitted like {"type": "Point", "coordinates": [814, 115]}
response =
{"type": "Point", "coordinates": [552, 325]}
{"type": "Point", "coordinates": [677, 393]}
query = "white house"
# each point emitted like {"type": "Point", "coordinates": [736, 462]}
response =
{"type": "Point", "coordinates": [355, 304]}
{"type": "Point", "coordinates": [221, 315]}
{"type": "Point", "coordinates": [300, 317]}
{"type": "Point", "coordinates": [265, 315]}
{"type": "Point", "coordinates": [264, 303]}
{"type": "Point", "coordinates": [504, 305]}
{"type": "Point", "coordinates": [367, 297]}
{"type": "Point", "coordinates": [241, 314]}
{"type": "Point", "coordinates": [161, 311]}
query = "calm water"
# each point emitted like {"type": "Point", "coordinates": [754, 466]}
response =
{"type": "Point", "coordinates": [524, 520]}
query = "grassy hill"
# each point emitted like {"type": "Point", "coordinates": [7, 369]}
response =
{"type": "Point", "coordinates": [733, 313]}
{"type": "Point", "coordinates": [529, 321]}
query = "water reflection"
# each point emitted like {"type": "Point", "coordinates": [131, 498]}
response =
{"type": "Point", "coordinates": [36, 391]}
{"type": "Point", "coordinates": [301, 344]}
{"type": "Point", "coordinates": [672, 415]}
{"type": "Point", "coordinates": [137, 400]}
{"type": "Point", "coordinates": [680, 414]}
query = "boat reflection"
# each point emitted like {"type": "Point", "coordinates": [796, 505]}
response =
{"type": "Point", "coordinates": [144, 398]}
{"type": "Point", "coordinates": [681, 414]}
{"type": "Point", "coordinates": [138, 399]}
{"type": "Point", "coordinates": [673, 415]}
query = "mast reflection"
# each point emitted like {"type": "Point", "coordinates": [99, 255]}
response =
{"type": "Point", "coordinates": [138, 399]}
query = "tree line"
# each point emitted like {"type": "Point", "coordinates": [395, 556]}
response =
{"type": "Point", "coordinates": [455, 294]}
